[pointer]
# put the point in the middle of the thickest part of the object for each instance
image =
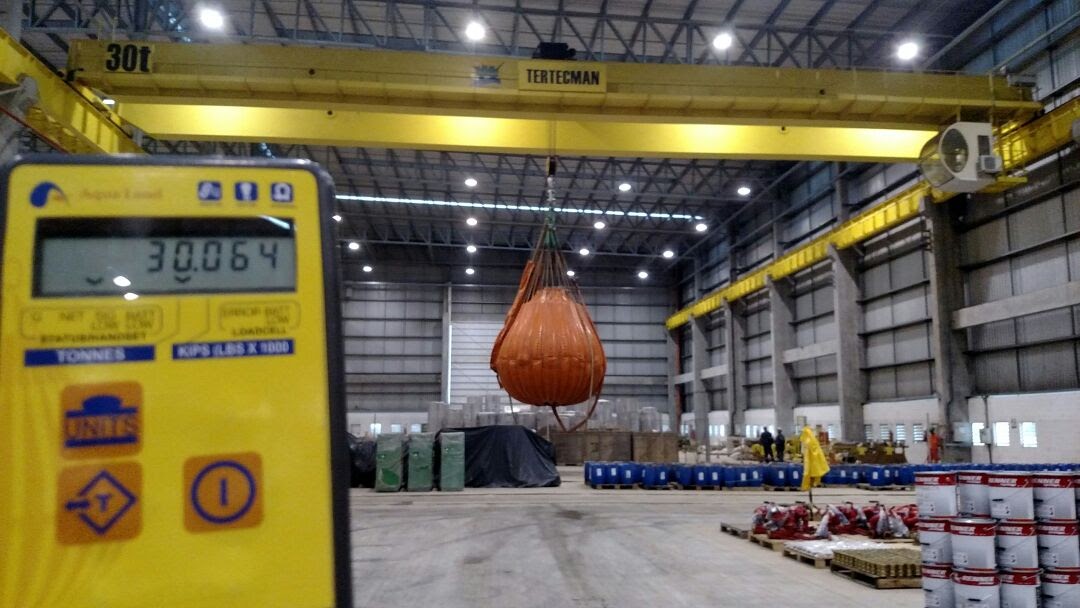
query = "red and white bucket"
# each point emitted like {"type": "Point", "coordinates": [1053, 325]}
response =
{"type": "Point", "coordinates": [973, 495]}
{"type": "Point", "coordinates": [935, 540]}
{"type": "Point", "coordinates": [937, 586]}
{"type": "Point", "coordinates": [1017, 547]}
{"type": "Point", "coordinates": [935, 493]}
{"type": "Point", "coordinates": [976, 589]}
{"type": "Point", "coordinates": [1059, 544]}
{"type": "Point", "coordinates": [1011, 495]}
{"type": "Point", "coordinates": [1055, 495]}
{"type": "Point", "coordinates": [1020, 589]}
{"type": "Point", "coordinates": [972, 541]}
{"type": "Point", "coordinates": [1061, 588]}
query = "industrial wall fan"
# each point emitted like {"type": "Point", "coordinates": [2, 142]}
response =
{"type": "Point", "coordinates": [961, 158]}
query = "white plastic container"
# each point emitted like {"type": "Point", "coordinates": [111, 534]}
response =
{"type": "Point", "coordinates": [935, 540]}
{"type": "Point", "coordinates": [1011, 495]}
{"type": "Point", "coordinates": [1017, 545]}
{"type": "Point", "coordinates": [1059, 544]}
{"type": "Point", "coordinates": [1055, 496]}
{"type": "Point", "coordinates": [935, 493]}
{"type": "Point", "coordinates": [973, 548]}
{"type": "Point", "coordinates": [937, 586]}
{"type": "Point", "coordinates": [976, 589]}
{"type": "Point", "coordinates": [1020, 589]}
{"type": "Point", "coordinates": [1061, 588]}
{"type": "Point", "coordinates": [972, 493]}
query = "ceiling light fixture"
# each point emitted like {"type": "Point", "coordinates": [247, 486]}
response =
{"type": "Point", "coordinates": [130, 296]}
{"type": "Point", "coordinates": [744, 191]}
{"type": "Point", "coordinates": [336, 217]}
{"type": "Point", "coordinates": [583, 251]}
{"type": "Point", "coordinates": [471, 249]}
{"type": "Point", "coordinates": [470, 271]}
{"type": "Point", "coordinates": [475, 31]}
{"type": "Point", "coordinates": [471, 221]}
{"type": "Point", "coordinates": [470, 182]}
{"type": "Point", "coordinates": [367, 268]}
{"type": "Point", "coordinates": [907, 51]}
{"type": "Point", "coordinates": [625, 187]}
{"type": "Point", "coordinates": [354, 246]}
{"type": "Point", "coordinates": [723, 41]}
{"type": "Point", "coordinates": [121, 281]}
{"type": "Point", "coordinates": [570, 273]}
{"type": "Point", "coordinates": [668, 254]}
{"type": "Point", "coordinates": [109, 101]}
{"type": "Point", "coordinates": [599, 225]}
{"type": "Point", "coordinates": [642, 274]}
{"type": "Point", "coordinates": [211, 18]}
{"type": "Point", "coordinates": [701, 227]}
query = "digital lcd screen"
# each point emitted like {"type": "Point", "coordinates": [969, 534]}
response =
{"type": "Point", "coordinates": [118, 256]}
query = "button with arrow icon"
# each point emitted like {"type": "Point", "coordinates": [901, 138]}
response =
{"type": "Point", "coordinates": [99, 503]}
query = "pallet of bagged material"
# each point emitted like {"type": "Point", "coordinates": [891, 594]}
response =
{"type": "Point", "coordinates": [806, 558]}
{"type": "Point", "coordinates": [895, 567]}
{"type": "Point", "coordinates": [877, 582]}
{"type": "Point", "coordinates": [776, 544]}
{"type": "Point", "coordinates": [736, 531]}
{"type": "Point", "coordinates": [888, 488]}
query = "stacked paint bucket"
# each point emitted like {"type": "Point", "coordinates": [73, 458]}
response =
{"type": "Point", "coordinates": [1001, 539]}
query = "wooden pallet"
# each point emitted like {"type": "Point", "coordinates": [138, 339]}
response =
{"type": "Point", "coordinates": [769, 543]}
{"type": "Point", "coordinates": [886, 582]}
{"type": "Point", "coordinates": [735, 531]}
{"type": "Point", "coordinates": [744, 489]}
{"type": "Point", "coordinates": [778, 488]}
{"type": "Point", "coordinates": [663, 487]}
{"type": "Point", "coordinates": [799, 556]}
{"type": "Point", "coordinates": [679, 486]}
{"type": "Point", "coordinates": [613, 486]}
{"type": "Point", "coordinates": [890, 488]}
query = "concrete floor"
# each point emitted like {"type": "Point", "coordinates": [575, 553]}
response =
{"type": "Point", "coordinates": [574, 547]}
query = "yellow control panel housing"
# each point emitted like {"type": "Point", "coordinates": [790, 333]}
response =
{"type": "Point", "coordinates": [171, 390]}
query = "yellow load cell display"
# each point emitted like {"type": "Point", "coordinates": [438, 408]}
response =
{"type": "Point", "coordinates": [171, 390]}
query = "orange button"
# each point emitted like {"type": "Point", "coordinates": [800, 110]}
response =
{"type": "Point", "coordinates": [223, 492]}
{"type": "Point", "coordinates": [99, 503]}
{"type": "Point", "coordinates": [101, 420]}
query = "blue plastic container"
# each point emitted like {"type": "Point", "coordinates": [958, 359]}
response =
{"type": "Point", "coordinates": [596, 473]}
{"type": "Point", "coordinates": [876, 476]}
{"type": "Point", "coordinates": [629, 473]}
{"type": "Point", "coordinates": [907, 475]}
{"type": "Point", "coordinates": [795, 472]}
{"type": "Point", "coordinates": [611, 472]}
{"type": "Point", "coordinates": [757, 476]}
{"type": "Point", "coordinates": [703, 476]}
{"type": "Point", "coordinates": [684, 474]}
{"type": "Point", "coordinates": [777, 475]}
{"type": "Point", "coordinates": [716, 475]}
{"type": "Point", "coordinates": [654, 475]}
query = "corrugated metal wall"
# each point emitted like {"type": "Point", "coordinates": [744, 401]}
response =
{"type": "Point", "coordinates": [814, 323]}
{"type": "Point", "coordinates": [1017, 243]}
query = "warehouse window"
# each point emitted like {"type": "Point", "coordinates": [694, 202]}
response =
{"type": "Point", "coordinates": [723, 430]}
{"type": "Point", "coordinates": [684, 429]}
{"type": "Point", "coordinates": [415, 428]}
{"type": "Point", "coordinates": [395, 428]}
{"type": "Point", "coordinates": [832, 432]}
{"type": "Point", "coordinates": [1028, 437]}
{"type": "Point", "coordinates": [1001, 434]}
{"type": "Point", "coordinates": [884, 432]}
{"type": "Point", "coordinates": [376, 428]}
{"type": "Point", "coordinates": [976, 433]}
{"type": "Point", "coordinates": [918, 433]}
{"type": "Point", "coordinates": [868, 432]}
{"type": "Point", "coordinates": [901, 433]}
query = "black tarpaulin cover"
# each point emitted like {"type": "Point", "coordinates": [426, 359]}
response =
{"type": "Point", "coordinates": [508, 456]}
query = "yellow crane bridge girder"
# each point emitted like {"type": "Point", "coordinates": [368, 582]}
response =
{"type": "Point", "coordinates": [392, 99]}
{"type": "Point", "coordinates": [61, 113]}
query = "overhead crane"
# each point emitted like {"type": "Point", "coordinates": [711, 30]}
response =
{"type": "Point", "coordinates": [373, 98]}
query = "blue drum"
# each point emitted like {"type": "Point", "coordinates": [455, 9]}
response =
{"type": "Point", "coordinates": [684, 474]}
{"type": "Point", "coordinates": [629, 473]}
{"type": "Point", "coordinates": [703, 476]}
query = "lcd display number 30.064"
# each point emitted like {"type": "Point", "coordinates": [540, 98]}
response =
{"type": "Point", "coordinates": [170, 256]}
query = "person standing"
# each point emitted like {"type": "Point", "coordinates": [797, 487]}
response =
{"type": "Point", "coordinates": [766, 440]}
{"type": "Point", "coordinates": [935, 447]}
{"type": "Point", "coordinates": [781, 444]}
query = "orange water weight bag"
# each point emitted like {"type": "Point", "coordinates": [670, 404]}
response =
{"type": "Point", "coordinates": [548, 352]}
